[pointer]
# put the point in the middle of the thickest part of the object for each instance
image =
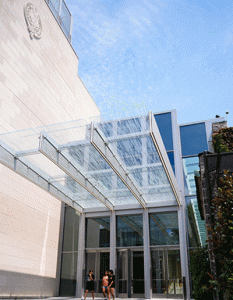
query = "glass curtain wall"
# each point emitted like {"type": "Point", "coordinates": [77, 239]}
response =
{"type": "Point", "coordinates": [69, 253]}
{"type": "Point", "coordinates": [97, 249]}
{"type": "Point", "coordinates": [193, 142]}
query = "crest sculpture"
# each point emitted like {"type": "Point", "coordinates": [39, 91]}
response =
{"type": "Point", "coordinates": [33, 21]}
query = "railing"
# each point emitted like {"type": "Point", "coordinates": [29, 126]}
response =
{"type": "Point", "coordinates": [62, 15]}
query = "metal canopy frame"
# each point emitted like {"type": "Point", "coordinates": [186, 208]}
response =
{"type": "Point", "coordinates": [56, 146]}
{"type": "Point", "coordinates": [157, 140]}
{"type": "Point", "coordinates": [27, 171]}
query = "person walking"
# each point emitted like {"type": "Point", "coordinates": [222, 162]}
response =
{"type": "Point", "coordinates": [90, 284]}
{"type": "Point", "coordinates": [111, 284]}
{"type": "Point", "coordinates": [105, 284]}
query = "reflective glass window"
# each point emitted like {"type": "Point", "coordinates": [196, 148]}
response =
{"type": "Point", "coordinates": [164, 123]}
{"type": "Point", "coordinates": [190, 164]}
{"type": "Point", "coordinates": [193, 139]}
{"type": "Point", "coordinates": [164, 229]}
{"type": "Point", "coordinates": [172, 161]}
{"type": "Point", "coordinates": [129, 231]}
{"type": "Point", "coordinates": [68, 274]}
{"type": "Point", "coordinates": [175, 285]}
{"type": "Point", "coordinates": [196, 226]}
{"type": "Point", "coordinates": [71, 228]}
{"type": "Point", "coordinates": [98, 232]}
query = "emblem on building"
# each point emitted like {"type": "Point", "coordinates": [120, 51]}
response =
{"type": "Point", "coordinates": [33, 21]}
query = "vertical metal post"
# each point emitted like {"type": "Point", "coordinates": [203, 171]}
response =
{"type": "Point", "coordinates": [184, 288]}
{"type": "Point", "coordinates": [113, 242]}
{"type": "Point", "coordinates": [129, 281]}
{"type": "Point", "coordinates": [81, 258]}
{"type": "Point", "coordinates": [182, 208]}
{"type": "Point", "coordinates": [60, 245]}
{"type": "Point", "coordinates": [147, 260]}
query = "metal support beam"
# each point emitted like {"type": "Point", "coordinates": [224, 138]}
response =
{"type": "Point", "coordinates": [157, 140]}
{"type": "Point", "coordinates": [105, 151]}
{"type": "Point", "coordinates": [147, 259]}
{"type": "Point", "coordinates": [113, 241]}
{"type": "Point", "coordinates": [47, 148]}
{"type": "Point", "coordinates": [58, 191]}
{"type": "Point", "coordinates": [81, 258]}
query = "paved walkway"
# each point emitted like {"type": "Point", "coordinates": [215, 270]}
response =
{"type": "Point", "coordinates": [72, 298]}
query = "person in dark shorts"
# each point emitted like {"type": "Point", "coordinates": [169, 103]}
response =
{"type": "Point", "coordinates": [90, 284]}
{"type": "Point", "coordinates": [111, 284]}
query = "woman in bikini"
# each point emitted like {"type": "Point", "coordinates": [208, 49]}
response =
{"type": "Point", "coordinates": [105, 284]}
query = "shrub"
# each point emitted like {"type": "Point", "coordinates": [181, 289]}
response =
{"type": "Point", "coordinates": [199, 268]}
{"type": "Point", "coordinates": [223, 140]}
{"type": "Point", "coordinates": [222, 236]}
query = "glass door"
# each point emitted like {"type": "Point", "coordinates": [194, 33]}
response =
{"type": "Point", "coordinates": [166, 273]}
{"type": "Point", "coordinates": [158, 267]}
{"type": "Point", "coordinates": [137, 274]}
{"type": "Point", "coordinates": [130, 275]}
{"type": "Point", "coordinates": [98, 261]}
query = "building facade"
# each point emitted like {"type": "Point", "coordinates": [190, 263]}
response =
{"type": "Point", "coordinates": [77, 194]}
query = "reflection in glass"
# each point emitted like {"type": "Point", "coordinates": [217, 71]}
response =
{"type": "Point", "coordinates": [68, 274]}
{"type": "Point", "coordinates": [193, 139]}
{"type": "Point", "coordinates": [158, 272]}
{"type": "Point", "coordinates": [164, 123]}
{"type": "Point", "coordinates": [128, 126]}
{"type": "Point", "coordinates": [71, 228]}
{"type": "Point", "coordinates": [166, 272]}
{"type": "Point", "coordinates": [172, 161]}
{"type": "Point", "coordinates": [164, 229]}
{"type": "Point", "coordinates": [152, 154]}
{"type": "Point", "coordinates": [174, 273]}
{"type": "Point", "coordinates": [190, 164]}
{"type": "Point", "coordinates": [122, 271]}
{"type": "Point", "coordinates": [107, 128]}
{"type": "Point", "coordinates": [99, 263]}
{"type": "Point", "coordinates": [196, 226]}
{"type": "Point", "coordinates": [130, 151]}
{"type": "Point", "coordinates": [129, 231]}
{"type": "Point", "coordinates": [98, 232]}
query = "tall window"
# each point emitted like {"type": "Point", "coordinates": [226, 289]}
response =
{"type": "Point", "coordinates": [129, 231]}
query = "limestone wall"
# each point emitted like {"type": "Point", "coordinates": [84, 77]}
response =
{"type": "Point", "coordinates": [39, 85]}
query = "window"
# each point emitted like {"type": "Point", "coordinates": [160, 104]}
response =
{"type": "Point", "coordinates": [164, 229]}
{"type": "Point", "coordinates": [164, 123]}
{"type": "Point", "coordinates": [129, 231]}
{"type": "Point", "coordinates": [193, 139]}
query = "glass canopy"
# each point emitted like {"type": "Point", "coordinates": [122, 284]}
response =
{"type": "Point", "coordinates": [108, 165]}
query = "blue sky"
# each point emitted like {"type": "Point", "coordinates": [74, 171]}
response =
{"type": "Point", "coordinates": [136, 56]}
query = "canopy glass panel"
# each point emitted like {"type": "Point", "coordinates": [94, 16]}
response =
{"type": "Point", "coordinates": [100, 165]}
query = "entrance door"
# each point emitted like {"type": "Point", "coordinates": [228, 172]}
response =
{"type": "Point", "coordinates": [130, 266]}
{"type": "Point", "coordinates": [166, 273]}
{"type": "Point", "coordinates": [137, 271]}
{"type": "Point", "coordinates": [98, 261]}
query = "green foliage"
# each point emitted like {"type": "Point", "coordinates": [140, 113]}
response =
{"type": "Point", "coordinates": [222, 236]}
{"type": "Point", "coordinates": [223, 140]}
{"type": "Point", "coordinates": [199, 268]}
